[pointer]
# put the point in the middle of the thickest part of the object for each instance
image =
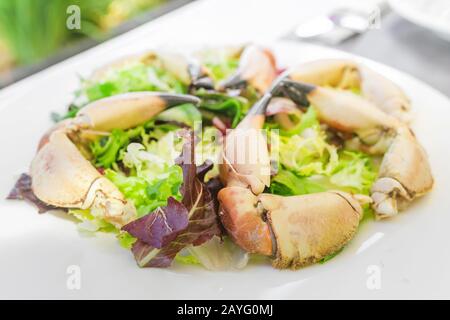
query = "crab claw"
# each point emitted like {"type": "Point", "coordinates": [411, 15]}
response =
{"type": "Point", "coordinates": [63, 177]}
{"type": "Point", "coordinates": [128, 110]}
{"type": "Point", "coordinates": [296, 231]}
{"type": "Point", "coordinates": [121, 111]}
{"type": "Point", "coordinates": [245, 157]}
{"type": "Point", "coordinates": [243, 218]}
{"type": "Point", "coordinates": [404, 174]}
{"type": "Point", "coordinates": [256, 68]}
{"type": "Point", "coordinates": [340, 74]}
{"type": "Point", "coordinates": [342, 110]}
{"type": "Point", "coordinates": [385, 94]}
{"type": "Point", "coordinates": [346, 74]}
{"type": "Point", "coordinates": [308, 228]}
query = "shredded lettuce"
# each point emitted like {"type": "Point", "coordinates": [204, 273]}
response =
{"type": "Point", "coordinates": [153, 176]}
{"type": "Point", "coordinates": [355, 171]}
{"type": "Point", "coordinates": [139, 77]}
{"type": "Point", "coordinates": [220, 64]}
{"type": "Point", "coordinates": [308, 121]}
{"type": "Point", "coordinates": [148, 195]}
{"type": "Point", "coordinates": [288, 183]}
{"type": "Point", "coordinates": [126, 240]}
{"type": "Point", "coordinates": [308, 163]}
{"type": "Point", "coordinates": [107, 150]}
{"type": "Point", "coordinates": [90, 222]}
{"type": "Point", "coordinates": [308, 155]}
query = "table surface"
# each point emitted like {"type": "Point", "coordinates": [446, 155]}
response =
{"type": "Point", "coordinates": [397, 43]}
{"type": "Point", "coordinates": [407, 47]}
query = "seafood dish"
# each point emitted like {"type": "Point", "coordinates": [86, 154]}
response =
{"type": "Point", "coordinates": [219, 158]}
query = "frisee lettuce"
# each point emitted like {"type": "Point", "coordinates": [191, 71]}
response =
{"type": "Point", "coordinates": [90, 222]}
{"type": "Point", "coordinates": [139, 77]}
{"type": "Point", "coordinates": [221, 64]}
{"type": "Point", "coordinates": [308, 163]}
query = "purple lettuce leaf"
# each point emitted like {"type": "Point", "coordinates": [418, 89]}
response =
{"type": "Point", "coordinates": [162, 226]}
{"type": "Point", "coordinates": [153, 249]}
{"type": "Point", "coordinates": [22, 191]}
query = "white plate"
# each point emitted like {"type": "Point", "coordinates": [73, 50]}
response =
{"type": "Point", "coordinates": [430, 14]}
{"type": "Point", "coordinates": [409, 253]}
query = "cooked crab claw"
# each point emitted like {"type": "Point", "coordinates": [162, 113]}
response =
{"type": "Point", "coordinates": [63, 177]}
{"type": "Point", "coordinates": [343, 111]}
{"type": "Point", "coordinates": [346, 74]}
{"type": "Point", "coordinates": [121, 111]}
{"type": "Point", "coordinates": [256, 68]}
{"type": "Point", "coordinates": [404, 173]}
{"type": "Point", "coordinates": [308, 228]}
{"type": "Point", "coordinates": [128, 110]}
{"type": "Point", "coordinates": [245, 155]}
{"type": "Point", "coordinates": [296, 230]}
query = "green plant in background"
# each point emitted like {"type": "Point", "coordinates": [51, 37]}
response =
{"type": "Point", "coordinates": [35, 29]}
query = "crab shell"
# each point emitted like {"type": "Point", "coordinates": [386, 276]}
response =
{"type": "Point", "coordinates": [347, 74]}
{"type": "Point", "coordinates": [63, 177]}
{"type": "Point", "coordinates": [257, 68]}
{"type": "Point", "coordinates": [296, 230]}
{"type": "Point", "coordinates": [405, 172]}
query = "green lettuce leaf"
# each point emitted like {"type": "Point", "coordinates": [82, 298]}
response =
{"type": "Point", "coordinates": [126, 240]}
{"type": "Point", "coordinates": [220, 64]}
{"type": "Point", "coordinates": [287, 183]}
{"type": "Point", "coordinates": [355, 171]}
{"type": "Point", "coordinates": [232, 107]}
{"type": "Point", "coordinates": [138, 77]}
{"type": "Point", "coordinates": [90, 222]}
{"type": "Point", "coordinates": [106, 149]}
{"type": "Point", "coordinates": [309, 164]}
{"type": "Point", "coordinates": [186, 114]}
{"type": "Point", "coordinates": [146, 193]}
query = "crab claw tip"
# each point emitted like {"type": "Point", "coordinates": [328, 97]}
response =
{"type": "Point", "coordinates": [234, 82]}
{"type": "Point", "coordinates": [173, 100]}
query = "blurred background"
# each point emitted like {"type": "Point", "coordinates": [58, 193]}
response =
{"type": "Point", "coordinates": [410, 35]}
{"type": "Point", "coordinates": [35, 33]}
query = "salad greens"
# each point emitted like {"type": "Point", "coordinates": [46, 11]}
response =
{"type": "Point", "coordinates": [142, 163]}
{"type": "Point", "coordinates": [308, 163]}
{"type": "Point", "coordinates": [221, 64]}
{"type": "Point", "coordinates": [192, 221]}
{"type": "Point", "coordinates": [137, 77]}
{"type": "Point", "coordinates": [233, 107]}
{"type": "Point", "coordinates": [175, 199]}
{"type": "Point", "coordinates": [132, 77]}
